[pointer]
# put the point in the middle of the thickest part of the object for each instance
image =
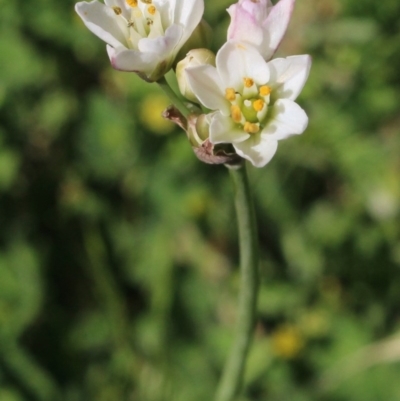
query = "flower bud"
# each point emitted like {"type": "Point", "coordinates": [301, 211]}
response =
{"type": "Point", "coordinates": [198, 129]}
{"type": "Point", "coordinates": [194, 58]}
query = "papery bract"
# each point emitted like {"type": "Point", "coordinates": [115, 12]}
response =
{"type": "Point", "coordinates": [260, 23]}
{"type": "Point", "coordinates": [253, 100]}
{"type": "Point", "coordinates": [143, 36]}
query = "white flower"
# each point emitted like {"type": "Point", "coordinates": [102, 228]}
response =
{"type": "Point", "coordinates": [260, 23]}
{"type": "Point", "coordinates": [253, 99]}
{"type": "Point", "coordinates": [143, 36]}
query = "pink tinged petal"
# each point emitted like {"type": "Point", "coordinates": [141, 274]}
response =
{"type": "Point", "coordinates": [287, 119]}
{"type": "Point", "coordinates": [101, 20]}
{"type": "Point", "coordinates": [259, 150]}
{"type": "Point", "coordinates": [288, 75]}
{"type": "Point", "coordinates": [244, 26]}
{"type": "Point", "coordinates": [275, 26]}
{"type": "Point", "coordinates": [236, 61]}
{"type": "Point", "coordinates": [206, 85]}
{"type": "Point", "coordinates": [259, 8]}
{"type": "Point", "coordinates": [224, 130]}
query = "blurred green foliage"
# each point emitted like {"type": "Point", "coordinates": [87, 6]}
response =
{"type": "Point", "coordinates": [118, 249]}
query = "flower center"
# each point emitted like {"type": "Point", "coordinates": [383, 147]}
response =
{"type": "Point", "coordinates": [140, 20]}
{"type": "Point", "coordinates": [250, 106]}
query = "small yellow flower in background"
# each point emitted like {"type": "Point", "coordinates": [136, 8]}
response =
{"type": "Point", "coordinates": [287, 341]}
{"type": "Point", "coordinates": [150, 114]}
{"type": "Point", "coordinates": [315, 323]}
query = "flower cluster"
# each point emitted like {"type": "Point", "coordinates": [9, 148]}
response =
{"type": "Point", "coordinates": [250, 98]}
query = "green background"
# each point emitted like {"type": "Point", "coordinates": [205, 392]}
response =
{"type": "Point", "coordinates": [118, 248]}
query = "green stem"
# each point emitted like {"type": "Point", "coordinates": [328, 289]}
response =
{"type": "Point", "coordinates": [27, 372]}
{"type": "Point", "coordinates": [232, 376]}
{"type": "Point", "coordinates": [175, 100]}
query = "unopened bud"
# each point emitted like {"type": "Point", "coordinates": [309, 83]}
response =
{"type": "Point", "coordinates": [198, 129]}
{"type": "Point", "coordinates": [194, 58]}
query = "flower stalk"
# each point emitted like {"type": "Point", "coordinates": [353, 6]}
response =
{"type": "Point", "coordinates": [232, 377]}
{"type": "Point", "coordinates": [175, 100]}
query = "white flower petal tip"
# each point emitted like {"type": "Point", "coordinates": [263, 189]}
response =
{"type": "Point", "coordinates": [287, 119]}
{"type": "Point", "coordinates": [145, 36]}
{"type": "Point", "coordinates": [257, 153]}
{"type": "Point", "coordinates": [290, 75]}
{"type": "Point", "coordinates": [253, 100]}
{"type": "Point", "coordinates": [260, 23]}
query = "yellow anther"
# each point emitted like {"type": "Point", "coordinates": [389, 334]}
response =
{"type": "Point", "coordinates": [248, 82]}
{"type": "Point", "coordinates": [152, 10]}
{"type": "Point", "coordinates": [236, 113]}
{"type": "Point", "coordinates": [258, 104]}
{"type": "Point", "coordinates": [265, 90]}
{"type": "Point", "coordinates": [230, 94]}
{"type": "Point", "coordinates": [117, 10]}
{"type": "Point", "coordinates": [251, 128]}
{"type": "Point", "coordinates": [146, 1]}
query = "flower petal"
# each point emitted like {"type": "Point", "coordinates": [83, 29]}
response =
{"type": "Point", "coordinates": [224, 130]}
{"type": "Point", "coordinates": [257, 149]}
{"type": "Point", "coordinates": [275, 26]}
{"type": "Point", "coordinates": [260, 24]}
{"type": "Point", "coordinates": [162, 45]}
{"type": "Point", "coordinates": [188, 13]}
{"type": "Point", "coordinates": [206, 85]}
{"type": "Point", "coordinates": [288, 119]}
{"type": "Point", "coordinates": [245, 25]}
{"type": "Point", "coordinates": [288, 75]}
{"type": "Point", "coordinates": [260, 8]}
{"type": "Point", "coordinates": [122, 4]}
{"type": "Point", "coordinates": [101, 20]}
{"type": "Point", "coordinates": [236, 61]}
{"type": "Point", "coordinates": [132, 60]}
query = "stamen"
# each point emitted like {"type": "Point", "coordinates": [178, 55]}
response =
{"type": "Point", "coordinates": [132, 3]}
{"type": "Point", "coordinates": [230, 94]}
{"type": "Point", "coordinates": [149, 21]}
{"type": "Point", "coordinates": [117, 10]}
{"type": "Point", "coordinates": [265, 90]}
{"type": "Point", "coordinates": [236, 113]}
{"type": "Point", "coordinates": [258, 104]}
{"type": "Point", "coordinates": [130, 24]}
{"type": "Point", "coordinates": [248, 82]}
{"type": "Point", "coordinates": [146, 1]}
{"type": "Point", "coordinates": [251, 128]}
{"type": "Point", "coordinates": [152, 10]}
